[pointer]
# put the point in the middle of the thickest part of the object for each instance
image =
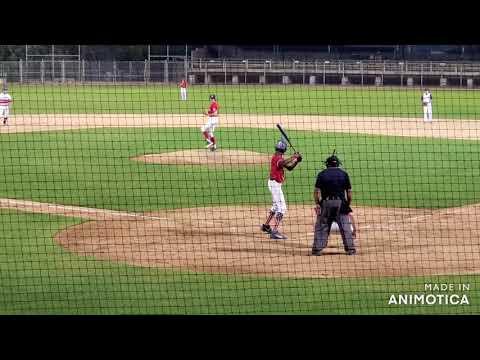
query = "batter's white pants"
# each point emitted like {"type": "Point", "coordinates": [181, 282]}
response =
{"type": "Point", "coordinates": [427, 112]}
{"type": "Point", "coordinates": [278, 200]}
{"type": "Point", "coordinates": [4, 111]}
{"type": "Point", "coordinates": [183, 93]}
{"type": "Point", "coordinates": [210, 125]}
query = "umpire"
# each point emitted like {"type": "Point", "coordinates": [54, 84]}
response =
{"type": "Point", "coordinates": [333, 195]}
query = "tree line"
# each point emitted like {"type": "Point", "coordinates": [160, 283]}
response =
{"type": "Point", "coordinates": [88, 52]}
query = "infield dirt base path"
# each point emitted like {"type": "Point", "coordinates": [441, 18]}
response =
{"type": "Point", "coordinates": [228, 239]}
{"type": "Point", "coordinates": [390, 126]}
{"type": "Point", "coordinates": [391, 242]}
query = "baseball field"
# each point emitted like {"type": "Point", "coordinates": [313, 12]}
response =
{"type": "Point", "coordinates": [111, 204]}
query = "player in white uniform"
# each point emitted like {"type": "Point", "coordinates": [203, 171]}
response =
{"type": "Point", "coordinates": [5, 101]}
{"type": "Point", "coordinates": [427, 105]}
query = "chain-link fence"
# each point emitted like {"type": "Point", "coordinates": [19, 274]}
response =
{"type": "Point", "coordinates": [248, 71]}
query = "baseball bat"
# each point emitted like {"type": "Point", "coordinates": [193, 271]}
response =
{"type": "Point", "coordinates": [284, 134]}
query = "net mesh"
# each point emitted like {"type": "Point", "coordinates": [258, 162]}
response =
{"type": "Point", "coordinates": [120, 196]}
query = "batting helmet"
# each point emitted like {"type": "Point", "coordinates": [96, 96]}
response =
{"type": "Point", "coordinates": [333, 161]}
{"type": "Point", "coordinates": [281, 146]}
{"type": "Point", "coordinates": [213, 97]}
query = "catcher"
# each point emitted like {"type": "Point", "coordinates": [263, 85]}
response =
{"type": "Point", "coordinates": [277, 178]}
{"type": "Point", "coordinates": [335, 228]}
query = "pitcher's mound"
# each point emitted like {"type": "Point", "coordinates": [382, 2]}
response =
{"type": "Point", "coordinates": [219, 157]}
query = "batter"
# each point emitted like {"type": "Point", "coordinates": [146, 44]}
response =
{"type": "Point", "coordinates": [277, 178]}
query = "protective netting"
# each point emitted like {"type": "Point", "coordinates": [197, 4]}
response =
{"type": "Point", "coordinates": [120, 195]}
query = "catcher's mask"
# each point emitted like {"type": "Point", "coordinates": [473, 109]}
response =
{"type": "Point", "coordinates": [281, 147]}
{"type": "Point", "coordinates": [333, 161]}
{"type": "Point", "coordinates": [213, 97]}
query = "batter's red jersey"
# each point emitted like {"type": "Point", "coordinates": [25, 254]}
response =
{"type": "Point", "coordinates": [183, 84]}
{"type": "Point", "coordinates": [213, 109]}
{"type": "Point", "coordinates": [276, 172]}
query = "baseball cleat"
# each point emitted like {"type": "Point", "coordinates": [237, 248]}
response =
{"type": "Point", "coordinates": [266, 228]}
{"type": "Point", "coordinates": [317, 252]}
{"type": "Point", "coordinates": [213, 148]}
{"type": "Point", "coordinates": [351, 252]}
{"type": "Point", "coordinates": [277, 235]}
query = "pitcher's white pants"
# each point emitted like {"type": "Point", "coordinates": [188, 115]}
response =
{"type": "Point", "coordinates": [210, 125]}
{"type": "Point", "coordinates": [427, 112]}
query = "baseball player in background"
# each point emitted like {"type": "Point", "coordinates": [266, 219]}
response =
{"type": "Point", "coordinates": [183, 89]}
{"type": "Point", "coordinates": [212, 122]}
{"type": "Point", "coordinates": [277, 177]}
{"type": "Point", "coordinates": [5, 101]}
{"type": "Point", "coordinates": [427, 105]}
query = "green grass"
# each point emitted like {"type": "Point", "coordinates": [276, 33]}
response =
{"type": "Point", "coordinates": [242, 99]}
{"type": "Point", "coordinates": [93, 168]}
{"type": "Point", "coordinates": [39, 277]}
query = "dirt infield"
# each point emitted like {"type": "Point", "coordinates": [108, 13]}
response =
{"type": "Point", "coordinates": [390, 126]}
{"type": "Point", "coordinates": [219, 158]}
{"type": "Point", "coordinates": [391, 242]}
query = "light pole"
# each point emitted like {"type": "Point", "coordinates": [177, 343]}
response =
{"type": "Point", "coordinates": [246, 67]}
{"type": "Point", "coordinates": [265, 71]}
{"type": "Point", "coordinates": [324, 64]}
{"type": "Point", "coordinates": [304, 72]}
{"type": "Point", "coordinates": [295, 62]}
{"type": "Point", "coordinates": [212, 62]}
{"type": "Point", "coordinates": [401, 73]}
{"type": "Point", "coordinates": [53, 62]}
{"type": "Point", "coordinates": [361, 69]}
{"type": "Point", "coordinates": [442, 72]}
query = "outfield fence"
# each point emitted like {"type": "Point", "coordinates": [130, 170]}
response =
{"type": "Point", "coordinates": [121, 198]}
{"type": "Point", "coordinates": [248, 71]}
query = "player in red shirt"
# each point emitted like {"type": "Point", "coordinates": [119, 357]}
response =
{"type": "Point", "coordinates": [209, 127]}
{"type": "Point", "coordinates": [183, 89]}
{"type": "Point", "coordinates": [277, 177]}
